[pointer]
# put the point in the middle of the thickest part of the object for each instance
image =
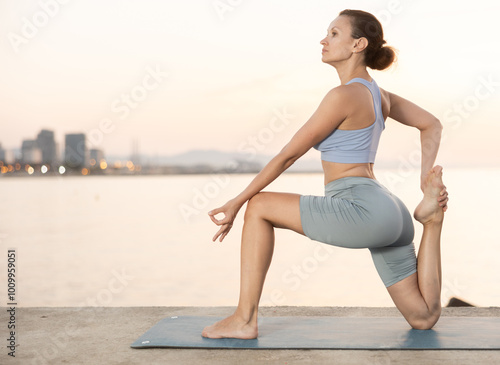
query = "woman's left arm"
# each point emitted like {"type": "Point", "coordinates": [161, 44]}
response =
{"type": "Point", "coordinates": [408, 113]}
{"type": "Point", "coordinates": [430, 138]}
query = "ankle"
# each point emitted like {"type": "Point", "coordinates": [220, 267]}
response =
{"type": "Point", "coordinates": [249, 316]}
{"type": "Point", "coordinates": [435, 223]}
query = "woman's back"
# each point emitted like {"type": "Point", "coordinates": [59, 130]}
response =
{"type": "Point", "coordinates": [351, 148]}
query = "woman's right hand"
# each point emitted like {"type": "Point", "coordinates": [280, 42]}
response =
{"type": "Point", "coordinates": [230, 209]}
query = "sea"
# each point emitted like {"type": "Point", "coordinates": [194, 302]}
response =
{"type": "Point", "coordinates": [147, 241]}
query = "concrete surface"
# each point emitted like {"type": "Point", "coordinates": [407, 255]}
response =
{"type": "Point", "coordinates": [103, 335]}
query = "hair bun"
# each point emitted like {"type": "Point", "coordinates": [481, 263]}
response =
{"type": "Point", "coordinates": [382, 58]}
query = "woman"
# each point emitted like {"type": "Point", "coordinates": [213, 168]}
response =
{"type": "Point", "coordinates": [356, 211]}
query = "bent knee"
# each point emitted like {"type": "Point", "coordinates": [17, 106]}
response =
{"type": "Point", "coordinates": [256, 205]}
{"type": "Point", "coordinates": [425, 322]}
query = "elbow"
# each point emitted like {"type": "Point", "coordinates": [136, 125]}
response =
{"type": "Point", "coordinates": [287, 157]}
{"type": "Point", "coordinates": [438, 129]}
{"type": "Point", "coordinates": [432, 132]}
{"type": "Point", "coordinates": [434, 125]}
{"type": "Point", "coordinates": [437, 124]}
{"type": "Point", "coordinates": [288, 160]}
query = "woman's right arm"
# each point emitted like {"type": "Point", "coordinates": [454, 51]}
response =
{"type": "Point", "coordinates": [329, 115]}
{"type": "Point", "coordinates": [408, 113]}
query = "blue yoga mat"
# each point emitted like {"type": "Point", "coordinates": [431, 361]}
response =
{"type": "Point", "coordinates": [382, 333]}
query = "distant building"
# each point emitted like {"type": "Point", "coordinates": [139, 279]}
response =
{"type": "Point", "coordinates": [135, 157]}
{"type": "Point", "coordinates": [75, 151]}
{"type": "Point", "coordinates": [2, 154]}
{"type": "Point", "coordinates": [96, 156]}
{"type": "Point", "coordinates": [47, 144]}
{"type": "Point", "coordinates": [30, 152]}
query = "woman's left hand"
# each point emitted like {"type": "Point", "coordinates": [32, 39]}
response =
{"type": "Point", "coordinates": [443, 194]}
{"type": "Point", "coordinates": [443, 199]}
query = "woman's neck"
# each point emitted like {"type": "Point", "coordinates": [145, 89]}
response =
{"type": "Point", "coordinates": [347, 73]}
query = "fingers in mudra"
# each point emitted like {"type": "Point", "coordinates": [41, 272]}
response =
{"type": "Point", "coordinates": [223, 231]}
{"type": "Point", "coordinates": [217, 221]}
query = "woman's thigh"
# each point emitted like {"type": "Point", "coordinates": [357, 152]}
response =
{"type": "Point", "coordinates": [395, 263]}
{"type": "Point", "coordinates": [282, 210]}
{"type": "Point", "coordinates": [408, 299]}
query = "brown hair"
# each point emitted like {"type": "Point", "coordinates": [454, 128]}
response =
{"type": "Point", "coordinates": [377, 56]}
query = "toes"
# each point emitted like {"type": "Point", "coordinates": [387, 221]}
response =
{"type": "Point", "coordinates": [206, 331]}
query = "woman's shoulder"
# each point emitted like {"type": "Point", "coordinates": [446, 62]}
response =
{"type": "Point", "coordinates": [351, 94]}
{"type": "Point", "coordinates": [385, 94]}
{"type": "Point", "coordinates": [340, 95]}
{"type": "Point", "coordinates": [385, 97]}
{"type": "Point", "coordinates": [347, 93]}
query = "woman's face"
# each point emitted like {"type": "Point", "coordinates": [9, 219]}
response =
{"type": "Point", "coordinates": [338, 45]}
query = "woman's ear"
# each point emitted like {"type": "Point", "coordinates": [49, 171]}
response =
{"type": "Point", "coordinates": [360, 44]}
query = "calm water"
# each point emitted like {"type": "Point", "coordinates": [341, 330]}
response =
{"type": "Point", "coordinates": [146, 241]}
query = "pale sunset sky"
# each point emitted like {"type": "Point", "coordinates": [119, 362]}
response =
{"type": "Point", "coordinates": [208, 74]}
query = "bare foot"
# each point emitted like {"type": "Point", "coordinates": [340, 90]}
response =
{"type": "Point", "coordinates": [429, 211]}
{"type": "Point", "coordinates": [231, 327]}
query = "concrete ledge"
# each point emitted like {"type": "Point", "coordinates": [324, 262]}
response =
{"type": "Point", "coordinates": [102, 335]}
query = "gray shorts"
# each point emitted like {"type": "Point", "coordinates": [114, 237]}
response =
{"type": "Point", "coordinates": [359, 212]}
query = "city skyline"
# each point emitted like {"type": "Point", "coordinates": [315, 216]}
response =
{"type": "Point", "coordinates": [45, 155]}
{"type": "Point", "coordinates": [45, 150]}
{"type": "Point", "coordinates": [145, 71]}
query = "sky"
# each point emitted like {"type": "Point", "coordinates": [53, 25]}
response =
{"type": "Point", "coordinates": [230, 74]}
